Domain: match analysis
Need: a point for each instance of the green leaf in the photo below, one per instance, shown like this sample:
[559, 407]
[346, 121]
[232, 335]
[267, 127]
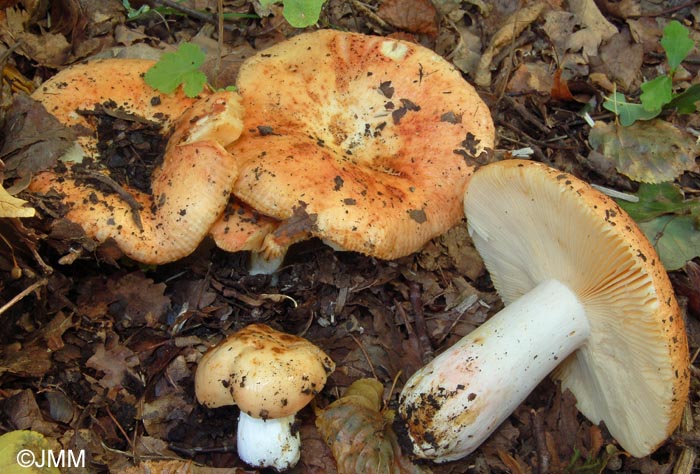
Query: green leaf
[686, 101]
[656, 93]
[675, 238]
[648, 152]
[656, 200]
[179, 68]
[677, 44]
[626, 111]
[302, 13]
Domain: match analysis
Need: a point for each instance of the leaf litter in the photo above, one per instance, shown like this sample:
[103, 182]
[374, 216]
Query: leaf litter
[100, 354]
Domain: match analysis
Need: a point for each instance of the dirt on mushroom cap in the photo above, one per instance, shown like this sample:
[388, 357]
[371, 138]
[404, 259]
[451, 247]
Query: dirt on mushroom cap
[267, 373]
[373, 137]
[189, 190]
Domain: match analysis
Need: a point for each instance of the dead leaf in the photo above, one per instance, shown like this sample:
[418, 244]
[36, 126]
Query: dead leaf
[512, 28]
[46, 49]
[24, 413]
[114, 364]
[11, 206]
[647, 151]
[620, 59]
[415, 16]
[28, 360]
[34, 139]
[596, 28]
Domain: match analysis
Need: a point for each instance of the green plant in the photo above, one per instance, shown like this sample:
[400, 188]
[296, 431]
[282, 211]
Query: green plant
[298, 13]
[657, 94]
[181, 67]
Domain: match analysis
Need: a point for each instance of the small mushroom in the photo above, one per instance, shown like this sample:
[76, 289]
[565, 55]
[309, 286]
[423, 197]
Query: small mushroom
[586, 297]
[189, 190]
[270, 375]
[366, 142]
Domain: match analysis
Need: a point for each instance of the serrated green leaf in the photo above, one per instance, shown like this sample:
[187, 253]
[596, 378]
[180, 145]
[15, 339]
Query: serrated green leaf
[656, 200]
[648, 152]
[628, 112]
[675, 238]
[677, 43]
[656, 93]
[302, 13]
[686, 102]
[179, 68]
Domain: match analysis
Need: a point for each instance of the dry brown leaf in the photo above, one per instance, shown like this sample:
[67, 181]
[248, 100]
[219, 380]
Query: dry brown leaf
[114, 363]
[415, 16]
[28, 360]
[512, 28]
[596, 28]
[621, 59]
[11, 206]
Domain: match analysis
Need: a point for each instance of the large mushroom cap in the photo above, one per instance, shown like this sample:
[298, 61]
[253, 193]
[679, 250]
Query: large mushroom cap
[189, 190]
[532, 223]
[267, 373]
[372, 137]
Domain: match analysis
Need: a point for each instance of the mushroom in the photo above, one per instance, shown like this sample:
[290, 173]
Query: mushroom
[586, 297]
[367, 142]
[270, 375]
[189, 190]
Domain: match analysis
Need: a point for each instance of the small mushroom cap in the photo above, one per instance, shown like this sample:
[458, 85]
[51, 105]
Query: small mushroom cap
[241, 228]
[267, 373]
[532, 223]
[373, 138]
[189, 190]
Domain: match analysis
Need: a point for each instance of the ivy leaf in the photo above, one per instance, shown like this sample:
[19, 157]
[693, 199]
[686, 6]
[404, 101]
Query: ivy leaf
[648, 152]
[656, 93]
[179, 68]
[677, 44]
[627, 111]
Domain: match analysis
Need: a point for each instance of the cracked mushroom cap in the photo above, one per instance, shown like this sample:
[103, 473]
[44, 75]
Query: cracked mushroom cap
[267, 373]
[532, 223]
[189, 190]
[373, 138]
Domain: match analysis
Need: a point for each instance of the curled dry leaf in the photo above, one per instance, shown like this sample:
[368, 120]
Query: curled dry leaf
[415, 16]
[359, 433]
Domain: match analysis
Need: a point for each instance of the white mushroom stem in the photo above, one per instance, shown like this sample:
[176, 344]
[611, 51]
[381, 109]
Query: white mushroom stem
[455, 402]
[268, 443]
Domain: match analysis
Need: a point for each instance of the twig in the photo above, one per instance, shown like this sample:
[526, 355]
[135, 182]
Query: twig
[538, 432]
[126, 197]
[369, 361]
[419, 322]
[196, 14]
[23, 293]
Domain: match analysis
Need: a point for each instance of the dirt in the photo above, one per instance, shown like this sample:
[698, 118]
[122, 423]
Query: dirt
[99, 354]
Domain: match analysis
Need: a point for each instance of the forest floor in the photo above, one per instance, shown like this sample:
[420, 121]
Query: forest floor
[98, 352]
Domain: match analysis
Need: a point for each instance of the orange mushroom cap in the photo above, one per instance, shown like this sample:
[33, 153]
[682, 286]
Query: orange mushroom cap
[190, 188]
[372, 137]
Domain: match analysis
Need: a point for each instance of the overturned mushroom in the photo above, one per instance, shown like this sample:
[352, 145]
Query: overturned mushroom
[587, 298]
[372, 139]
[270, 375]
[188, 191]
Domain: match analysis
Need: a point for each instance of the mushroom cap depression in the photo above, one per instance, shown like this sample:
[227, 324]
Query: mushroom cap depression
[372, 137]
[267, 373]
[532, 223]
[190, 188]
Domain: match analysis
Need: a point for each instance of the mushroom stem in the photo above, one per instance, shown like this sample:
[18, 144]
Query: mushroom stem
[268, 443]
[451, 405]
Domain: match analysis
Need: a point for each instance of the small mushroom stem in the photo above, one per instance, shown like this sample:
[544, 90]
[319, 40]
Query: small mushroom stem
[268, 443]
[451, 405]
